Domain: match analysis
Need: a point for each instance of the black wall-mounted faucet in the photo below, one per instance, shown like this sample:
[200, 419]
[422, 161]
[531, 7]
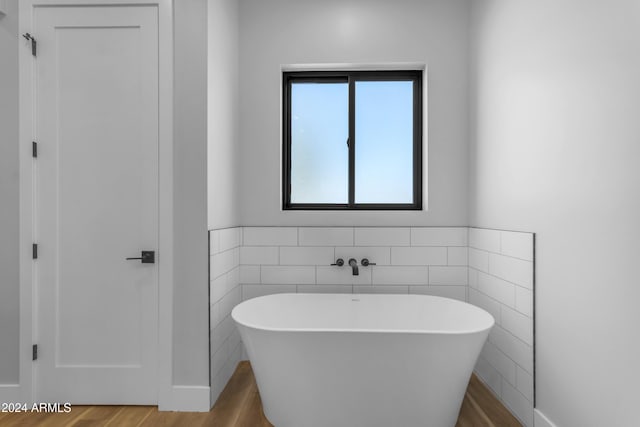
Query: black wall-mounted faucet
[354, 266]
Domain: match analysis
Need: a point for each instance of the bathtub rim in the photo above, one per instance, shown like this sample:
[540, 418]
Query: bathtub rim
[251, 325]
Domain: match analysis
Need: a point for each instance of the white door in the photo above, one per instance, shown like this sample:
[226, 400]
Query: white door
[96, 203]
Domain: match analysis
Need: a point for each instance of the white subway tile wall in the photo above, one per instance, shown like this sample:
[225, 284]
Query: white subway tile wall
[328, 275]
[379, 255]
[364, 289]
[259, 255]
[492, 269]
[519, 405]
[512, 269]
[225, 293]
[479, 260]
[519, 351]
[437, 260]
[325, 236]
[489, 375]
[505, 366]
[487, 240]
[392, 275]
[254, 291]
[291, 255]
[458, 256]
[501, 276]
[418, 256]
[455, 292]
[448, 275]
[498, 289]
[524, 301]
[518, 324]
[524, 383]
[270, 236]
[517, 245]
[288, 274]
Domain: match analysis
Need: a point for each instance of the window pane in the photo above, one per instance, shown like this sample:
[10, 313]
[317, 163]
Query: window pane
[384, 142]
[319, 152]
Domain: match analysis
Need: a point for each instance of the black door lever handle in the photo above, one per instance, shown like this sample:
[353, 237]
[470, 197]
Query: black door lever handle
[147, 257]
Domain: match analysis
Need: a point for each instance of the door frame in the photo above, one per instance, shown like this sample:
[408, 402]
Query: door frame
[167, 398]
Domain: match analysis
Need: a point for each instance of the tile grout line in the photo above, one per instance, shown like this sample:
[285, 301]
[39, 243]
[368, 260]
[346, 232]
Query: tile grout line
[508, 357]
[501, 303]
[501, 278]
[500, 254]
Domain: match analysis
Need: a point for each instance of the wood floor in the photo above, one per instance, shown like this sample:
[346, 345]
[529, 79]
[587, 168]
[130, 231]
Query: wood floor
[238, 406]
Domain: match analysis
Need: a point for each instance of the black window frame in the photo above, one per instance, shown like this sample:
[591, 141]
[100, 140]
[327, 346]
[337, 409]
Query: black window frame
[351, 77]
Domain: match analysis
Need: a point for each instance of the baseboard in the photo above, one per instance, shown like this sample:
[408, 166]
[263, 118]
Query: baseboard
[187, 399]
[11, 393]
[540, 420]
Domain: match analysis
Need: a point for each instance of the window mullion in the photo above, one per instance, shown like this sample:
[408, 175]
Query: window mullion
[352, 141]
[286, 154]
[417, 142]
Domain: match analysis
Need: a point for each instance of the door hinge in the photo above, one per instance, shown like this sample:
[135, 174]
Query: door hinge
[33, 42]
[34, 149]
[34, 352]
[34, 251]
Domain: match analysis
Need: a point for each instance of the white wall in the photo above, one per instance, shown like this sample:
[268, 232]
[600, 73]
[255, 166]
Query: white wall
[9, 286]
[277, 32]
[222, 115]
[191, 287]
[556, 148]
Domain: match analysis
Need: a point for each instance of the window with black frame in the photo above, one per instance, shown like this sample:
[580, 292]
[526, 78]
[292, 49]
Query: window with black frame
[352, 140]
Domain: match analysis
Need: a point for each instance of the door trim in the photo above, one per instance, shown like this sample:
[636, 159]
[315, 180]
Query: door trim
[28, 169]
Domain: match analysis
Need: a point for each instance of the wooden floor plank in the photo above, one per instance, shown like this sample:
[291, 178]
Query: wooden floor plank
[29, 419]
[239, 405]
[491, 406]
[97, 416]
[233, 398]
[131, 416]
[469, 416]
[252, 414]
[177, 419]
[160, 419]
[64, 419]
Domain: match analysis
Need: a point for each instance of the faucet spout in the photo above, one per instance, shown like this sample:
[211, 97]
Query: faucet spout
[354, 267]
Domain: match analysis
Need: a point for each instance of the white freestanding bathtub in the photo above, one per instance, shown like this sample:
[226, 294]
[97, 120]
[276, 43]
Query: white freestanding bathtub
[342, 360]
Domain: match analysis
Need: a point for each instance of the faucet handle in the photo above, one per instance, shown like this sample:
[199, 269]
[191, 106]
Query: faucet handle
[339, 262]
[365, 262]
